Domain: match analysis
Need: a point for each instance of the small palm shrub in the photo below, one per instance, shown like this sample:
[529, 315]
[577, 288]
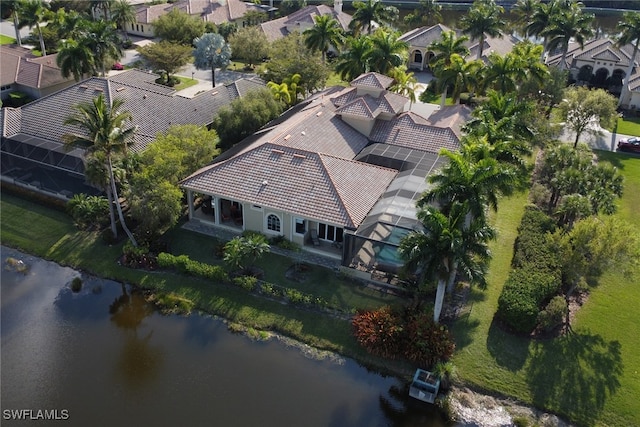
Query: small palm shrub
[88, 211]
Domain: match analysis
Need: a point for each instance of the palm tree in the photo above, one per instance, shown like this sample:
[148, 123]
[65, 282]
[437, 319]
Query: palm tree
[458, 73]
[404, 83]
[427, 13]
[569, 24]
[12, 6]
[104, 6]
[354, 60]
[483, 19]
[102, 39]
[280, 92]
[31, 13]
[541, 19]
[123, 13]
[103, 132]
[629, 32]
[503, 72]
[211, 52]
[369, 12]
[523, 11]
[448, 44]
[475, 184]
[326, 32]
[75, 59]
[444, 247]
[387, 52]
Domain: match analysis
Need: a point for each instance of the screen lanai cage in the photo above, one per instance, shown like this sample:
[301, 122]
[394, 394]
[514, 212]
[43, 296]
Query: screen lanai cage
[373, 246]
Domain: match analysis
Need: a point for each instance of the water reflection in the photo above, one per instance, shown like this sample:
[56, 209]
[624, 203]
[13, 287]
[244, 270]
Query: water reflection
[139, 361]
[109, 359]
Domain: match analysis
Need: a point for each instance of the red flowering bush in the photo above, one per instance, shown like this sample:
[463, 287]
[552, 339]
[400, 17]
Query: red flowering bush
[408, 333]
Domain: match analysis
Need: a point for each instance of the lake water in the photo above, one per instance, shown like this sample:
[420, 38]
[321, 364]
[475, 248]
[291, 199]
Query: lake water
[103, 357]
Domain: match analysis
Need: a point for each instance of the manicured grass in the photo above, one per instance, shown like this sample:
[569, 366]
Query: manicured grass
[6, 39]
[435, 98]
[185, 82]
[321, 282]
[628, 126]
[335, 80]
[590, 376]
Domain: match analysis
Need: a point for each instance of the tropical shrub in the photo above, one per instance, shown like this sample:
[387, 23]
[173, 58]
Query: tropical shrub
[407, 334]
[88, 211]
[184, 264]
[138, 257]
[554, 314]
[248, 283]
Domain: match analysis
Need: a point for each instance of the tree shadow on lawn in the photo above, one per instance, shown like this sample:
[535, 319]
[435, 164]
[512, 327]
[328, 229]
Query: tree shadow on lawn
[509, 351]
[573, 375]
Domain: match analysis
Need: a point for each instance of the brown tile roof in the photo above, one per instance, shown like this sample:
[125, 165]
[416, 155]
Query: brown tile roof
[312, 185]
[216, 11]
[19, 65]
[372, 79]
[423, 37]
[278, 28]
[153, 107]
[368, 106]
[603, 49]
[410, 130]
[451, 116]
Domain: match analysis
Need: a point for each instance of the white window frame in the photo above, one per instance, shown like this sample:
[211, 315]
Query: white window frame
[266, 223]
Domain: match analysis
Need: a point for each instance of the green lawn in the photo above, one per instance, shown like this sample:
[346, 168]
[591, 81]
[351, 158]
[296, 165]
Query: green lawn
[185, 82]
[628, 126]
[591, 376]
[6, 39]
[321, 282]
[435, 98]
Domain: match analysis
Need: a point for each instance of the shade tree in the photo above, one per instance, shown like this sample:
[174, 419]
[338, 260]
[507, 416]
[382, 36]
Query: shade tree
[587, 110]
[249, 45]
[167, 56]
[178, 27]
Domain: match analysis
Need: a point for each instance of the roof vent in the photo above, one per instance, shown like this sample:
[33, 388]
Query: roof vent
[299, 156]
[319, 113]
[84, 87]
[276, 151]
[303, 133]
[265, 182]
[286, 138]
[98, 89]
[120, 89]
[214, 93]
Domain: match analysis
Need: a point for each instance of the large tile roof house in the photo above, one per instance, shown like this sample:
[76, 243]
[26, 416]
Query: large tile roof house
[32, 134]
[346, 165]
[215, 11]
[302, 19]
[22, 71]
[607, 64]
[420, 39]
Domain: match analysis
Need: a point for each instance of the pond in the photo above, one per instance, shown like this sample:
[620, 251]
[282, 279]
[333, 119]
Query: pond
[103, 356]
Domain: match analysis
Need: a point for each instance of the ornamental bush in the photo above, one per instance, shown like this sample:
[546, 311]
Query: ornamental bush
[184, 264]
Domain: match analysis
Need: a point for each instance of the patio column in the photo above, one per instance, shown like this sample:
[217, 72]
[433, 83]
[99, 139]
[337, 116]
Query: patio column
[190, 202]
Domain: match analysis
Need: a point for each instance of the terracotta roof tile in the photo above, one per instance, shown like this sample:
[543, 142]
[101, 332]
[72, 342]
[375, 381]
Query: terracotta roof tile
[278, 28]
[312, 185]
[374, 80]
[406, 130]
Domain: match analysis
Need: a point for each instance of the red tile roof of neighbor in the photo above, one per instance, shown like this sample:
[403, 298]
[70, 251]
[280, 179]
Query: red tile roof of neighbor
[209, 10]
[309, 184]
[278, 28]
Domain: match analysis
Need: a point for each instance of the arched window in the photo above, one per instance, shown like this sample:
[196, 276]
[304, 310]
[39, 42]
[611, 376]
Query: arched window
[273, 223]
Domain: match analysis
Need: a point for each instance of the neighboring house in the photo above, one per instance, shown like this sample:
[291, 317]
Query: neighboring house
[21, 71]
[215, 11]
[339, 173]
[420, 40]
[33, 153]
[604, 65]
[302, 19]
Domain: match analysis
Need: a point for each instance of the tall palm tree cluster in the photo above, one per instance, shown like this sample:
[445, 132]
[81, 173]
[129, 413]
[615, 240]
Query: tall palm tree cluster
[86, 40]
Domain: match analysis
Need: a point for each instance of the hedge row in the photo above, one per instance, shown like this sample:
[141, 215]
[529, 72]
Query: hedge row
[184, 264]
[536, 275]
